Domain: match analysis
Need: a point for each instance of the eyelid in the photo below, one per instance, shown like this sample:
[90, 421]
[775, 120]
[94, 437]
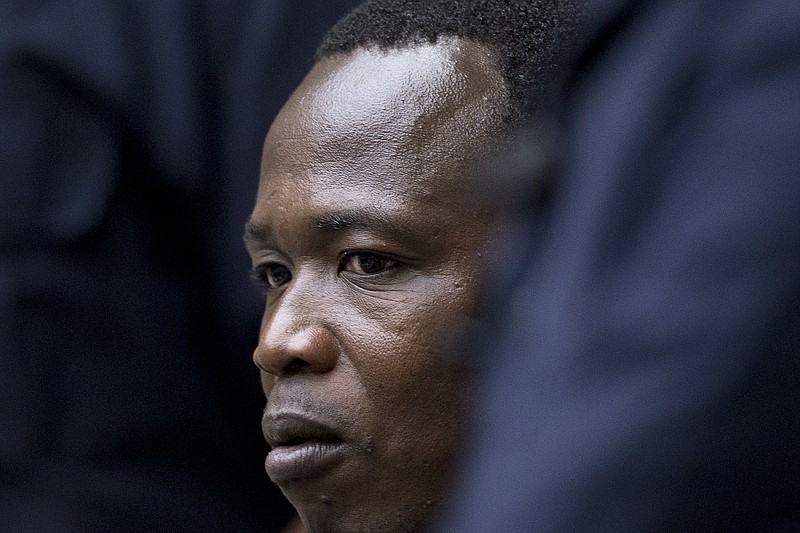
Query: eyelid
[348, 256]
[261, 273]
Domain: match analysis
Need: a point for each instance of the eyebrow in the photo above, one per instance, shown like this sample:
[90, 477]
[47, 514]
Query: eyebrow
[332, 222]
[255, 232]
[355, 219]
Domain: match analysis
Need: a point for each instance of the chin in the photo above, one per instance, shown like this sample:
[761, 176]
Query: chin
[391, 522]
[338, 513]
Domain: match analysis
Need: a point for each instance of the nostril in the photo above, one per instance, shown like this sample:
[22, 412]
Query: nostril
[295, 365]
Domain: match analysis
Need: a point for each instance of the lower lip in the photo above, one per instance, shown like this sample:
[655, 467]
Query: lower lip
[303, 461]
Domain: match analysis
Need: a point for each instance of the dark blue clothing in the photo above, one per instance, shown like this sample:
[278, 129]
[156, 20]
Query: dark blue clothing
[646, 373]
[130, 140]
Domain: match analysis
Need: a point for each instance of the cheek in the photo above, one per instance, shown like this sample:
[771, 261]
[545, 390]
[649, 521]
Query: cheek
[416, 390]
[410, 336]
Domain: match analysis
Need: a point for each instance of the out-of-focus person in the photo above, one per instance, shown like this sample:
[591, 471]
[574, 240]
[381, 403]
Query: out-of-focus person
[643, 372]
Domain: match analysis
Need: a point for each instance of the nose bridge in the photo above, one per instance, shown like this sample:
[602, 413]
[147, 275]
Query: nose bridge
[295, 333]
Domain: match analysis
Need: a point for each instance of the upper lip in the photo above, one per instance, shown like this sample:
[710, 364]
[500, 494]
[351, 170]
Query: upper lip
[286, 429]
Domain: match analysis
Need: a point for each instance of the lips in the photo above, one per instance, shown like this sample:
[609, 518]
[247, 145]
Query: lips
[302, 448]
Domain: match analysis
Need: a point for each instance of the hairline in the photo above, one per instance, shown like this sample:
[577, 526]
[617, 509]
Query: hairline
[513, 107]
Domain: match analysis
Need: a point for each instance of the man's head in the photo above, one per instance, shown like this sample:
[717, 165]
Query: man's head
[369, 245]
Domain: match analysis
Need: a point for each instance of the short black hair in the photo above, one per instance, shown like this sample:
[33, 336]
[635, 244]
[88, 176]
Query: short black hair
[529, 37]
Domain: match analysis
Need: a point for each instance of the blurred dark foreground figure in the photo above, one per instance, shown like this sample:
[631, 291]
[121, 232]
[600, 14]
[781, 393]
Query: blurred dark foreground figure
[130, 135]
[645, 374]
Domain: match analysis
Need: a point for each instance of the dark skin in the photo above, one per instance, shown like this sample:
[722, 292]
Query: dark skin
[370, 249]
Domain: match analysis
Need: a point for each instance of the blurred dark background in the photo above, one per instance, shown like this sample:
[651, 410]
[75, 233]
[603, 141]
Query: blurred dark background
[130, 139]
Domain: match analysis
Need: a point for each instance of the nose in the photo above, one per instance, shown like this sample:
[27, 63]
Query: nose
[295, 339]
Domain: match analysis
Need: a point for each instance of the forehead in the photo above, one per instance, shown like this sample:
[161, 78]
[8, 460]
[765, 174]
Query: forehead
[423, 97]
[392, 88]
[396, 124]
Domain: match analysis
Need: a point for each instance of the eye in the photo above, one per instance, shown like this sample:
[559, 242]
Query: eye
[274, 275]
[365, 263]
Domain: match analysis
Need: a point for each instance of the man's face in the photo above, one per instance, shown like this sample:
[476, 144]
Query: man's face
[370, 248]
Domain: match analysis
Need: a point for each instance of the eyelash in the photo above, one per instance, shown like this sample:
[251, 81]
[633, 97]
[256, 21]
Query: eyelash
[387, 263]
[261, 275]
[265, 274]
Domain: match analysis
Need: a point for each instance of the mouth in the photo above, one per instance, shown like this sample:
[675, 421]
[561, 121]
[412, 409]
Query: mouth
[302, 448]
